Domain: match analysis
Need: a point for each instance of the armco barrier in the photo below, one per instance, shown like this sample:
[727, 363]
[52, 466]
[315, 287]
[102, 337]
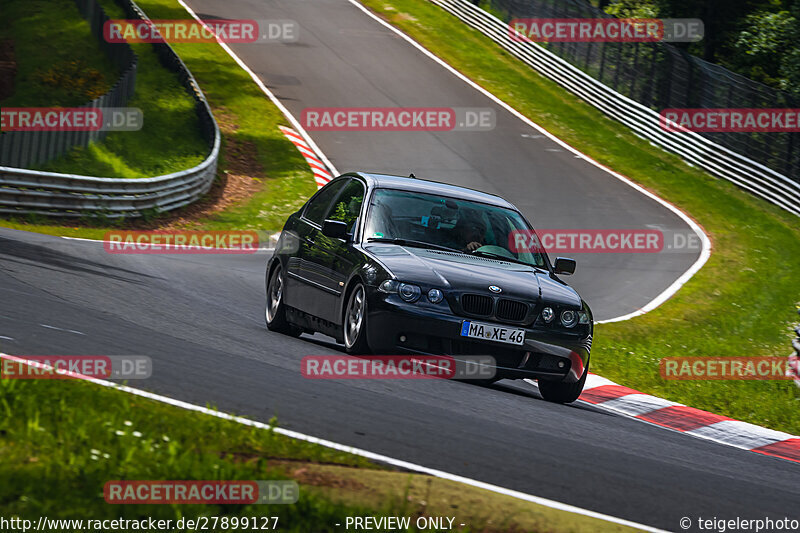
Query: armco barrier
[28, 148]
[25, 191]
[694, 148]
[660, 75]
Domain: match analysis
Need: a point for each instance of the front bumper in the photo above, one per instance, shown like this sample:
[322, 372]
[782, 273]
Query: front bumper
[396, 327]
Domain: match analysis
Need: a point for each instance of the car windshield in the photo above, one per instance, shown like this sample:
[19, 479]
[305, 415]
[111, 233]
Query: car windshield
[461, 225]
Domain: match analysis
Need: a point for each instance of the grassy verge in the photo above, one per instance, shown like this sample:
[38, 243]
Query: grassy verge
[740, 304]
[69, 68]
[61, 441]
[262, 178]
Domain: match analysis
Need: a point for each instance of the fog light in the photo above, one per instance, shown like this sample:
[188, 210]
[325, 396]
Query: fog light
[548, 314]
[402, 338]
[561, 364]
[569, 318]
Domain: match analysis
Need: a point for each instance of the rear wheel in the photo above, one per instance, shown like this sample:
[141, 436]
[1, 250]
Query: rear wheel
[276, 310]
[355, 322]
[560, 392]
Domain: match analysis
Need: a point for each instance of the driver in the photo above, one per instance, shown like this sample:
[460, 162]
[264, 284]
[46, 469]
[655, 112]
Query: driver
[469, 232]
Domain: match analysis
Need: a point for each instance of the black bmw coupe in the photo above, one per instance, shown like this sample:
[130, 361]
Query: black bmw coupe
[393, 265]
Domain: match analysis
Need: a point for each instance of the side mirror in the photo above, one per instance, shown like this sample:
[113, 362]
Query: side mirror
[335, 229]
[564, 265]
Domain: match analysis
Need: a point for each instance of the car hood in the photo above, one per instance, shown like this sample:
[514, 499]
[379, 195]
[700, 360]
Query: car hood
[469, 273]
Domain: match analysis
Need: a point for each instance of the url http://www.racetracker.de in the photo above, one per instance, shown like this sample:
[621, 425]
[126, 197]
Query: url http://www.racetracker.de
[142, 525]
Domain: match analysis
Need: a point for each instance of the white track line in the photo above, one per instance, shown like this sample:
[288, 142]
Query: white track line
[678, 283]
[347, 449]
[671, 290]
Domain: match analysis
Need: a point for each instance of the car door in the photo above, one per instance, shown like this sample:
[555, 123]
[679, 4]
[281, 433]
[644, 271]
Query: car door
[342, 257]
[306, 283]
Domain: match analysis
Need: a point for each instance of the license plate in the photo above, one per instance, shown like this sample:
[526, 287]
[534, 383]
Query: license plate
[490, 332]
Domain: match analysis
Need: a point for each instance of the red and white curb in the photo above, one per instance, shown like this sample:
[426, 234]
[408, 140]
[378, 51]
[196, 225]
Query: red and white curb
[606, 394]
[321, 173]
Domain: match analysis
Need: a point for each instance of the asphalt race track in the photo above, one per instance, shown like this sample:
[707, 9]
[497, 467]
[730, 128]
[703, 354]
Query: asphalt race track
[343, 58]
[201, 317]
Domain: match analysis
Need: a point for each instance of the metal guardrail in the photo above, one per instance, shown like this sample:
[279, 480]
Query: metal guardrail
[24, 191]
[28, 148]
[693, 147]
[660, 75]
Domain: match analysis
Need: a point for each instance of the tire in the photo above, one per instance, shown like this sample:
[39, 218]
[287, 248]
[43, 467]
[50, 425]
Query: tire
[275, 312]
[354, 322]
[560, 392]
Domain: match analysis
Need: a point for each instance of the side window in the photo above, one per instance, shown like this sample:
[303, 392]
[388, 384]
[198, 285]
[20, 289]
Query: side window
[318, 206]
[348, 206]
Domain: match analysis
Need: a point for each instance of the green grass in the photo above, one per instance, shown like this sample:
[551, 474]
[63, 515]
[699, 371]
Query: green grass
[62, 440]
[741, 303]
[60, 63]
[247, 118]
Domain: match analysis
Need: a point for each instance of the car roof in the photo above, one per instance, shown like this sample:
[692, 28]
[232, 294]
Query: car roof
[387, 181]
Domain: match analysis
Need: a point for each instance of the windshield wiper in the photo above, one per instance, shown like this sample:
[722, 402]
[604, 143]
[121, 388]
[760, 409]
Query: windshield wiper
[505, 258]
[419, 244]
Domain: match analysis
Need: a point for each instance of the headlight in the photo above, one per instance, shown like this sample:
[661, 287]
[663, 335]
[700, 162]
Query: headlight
[409, 293]
[584, 317]
[435, 296]
[548, 314]
[569, 318]
[389, 286]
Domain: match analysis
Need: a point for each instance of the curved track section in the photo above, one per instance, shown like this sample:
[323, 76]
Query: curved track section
[200, 319]
[344, 58]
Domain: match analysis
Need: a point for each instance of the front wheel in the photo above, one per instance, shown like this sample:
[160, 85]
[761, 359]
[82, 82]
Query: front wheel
[559, 392]
[276, 310]
[355, 322]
